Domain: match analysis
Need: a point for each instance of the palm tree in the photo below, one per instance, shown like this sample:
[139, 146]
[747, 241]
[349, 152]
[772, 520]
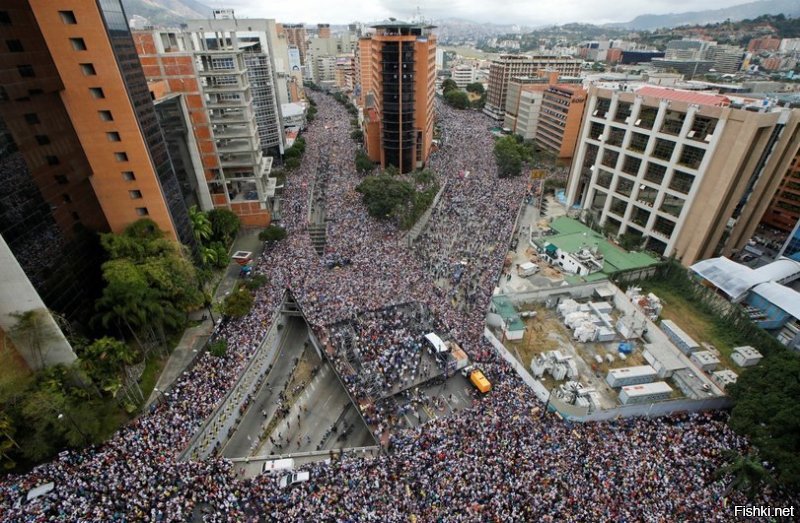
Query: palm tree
[748, 473]
[201, 225]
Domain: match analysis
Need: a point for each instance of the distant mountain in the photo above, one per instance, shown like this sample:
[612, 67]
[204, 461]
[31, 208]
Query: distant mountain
[166, 12]
[734, 13]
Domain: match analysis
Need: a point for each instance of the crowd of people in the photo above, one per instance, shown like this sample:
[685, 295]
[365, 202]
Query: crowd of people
[503, 459]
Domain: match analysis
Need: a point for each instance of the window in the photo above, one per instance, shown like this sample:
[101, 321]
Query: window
[34, 92]
[702, 128]
[638, 142]
[113, 136]
[105, 116]
[88, 70]
[61, 179]
[32, 118]
[128, 176]
[691, 156]
[610, 158]
[135, 195]
[624, 186]
[615, 136]
[647, 195]
[663, 149]
[672, 205]
[66, 198]
[52, 160]
[664, 226]
[97, 92]
[655, 173]
[75, 216]
[4, 18]
[121, 157]
[596, 130]
[631, 165]
[646, 118]
[673, 122]
[26, 71]
[142, 211]
[623, 112]
[602, 107]
[14, 46]
[681, 182]
[640, 216]
[68, 17]
[618, 206]
[78, 44]
[604, 179]
[42, 139]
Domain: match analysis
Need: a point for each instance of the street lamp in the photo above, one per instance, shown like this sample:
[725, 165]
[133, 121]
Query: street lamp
[164, 395]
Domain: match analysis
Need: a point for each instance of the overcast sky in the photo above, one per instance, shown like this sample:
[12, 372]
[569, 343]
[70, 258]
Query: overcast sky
[523, 12]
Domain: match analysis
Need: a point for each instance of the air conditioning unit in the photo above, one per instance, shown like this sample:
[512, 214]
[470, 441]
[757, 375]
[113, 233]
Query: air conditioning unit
[591, 168]
[708, 137]
[600, 138]
[628, 120]
[637, 122]
[595, 113]
[691, 134]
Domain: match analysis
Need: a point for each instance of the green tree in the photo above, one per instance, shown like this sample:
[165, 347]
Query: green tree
[475, 87]
[745, 473]
[104, 360]
[480, 102]
[457, 99]
[449, 85]
[225, 225]
[238, 303]
[273, 233]
[218, 348]
[765, 411]
[215, 255]
[508, 157]
[292, 164]
[363, 164]
[201, 225]
[385, 196]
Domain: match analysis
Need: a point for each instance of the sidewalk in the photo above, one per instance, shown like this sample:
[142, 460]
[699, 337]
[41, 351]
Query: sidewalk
[194, 338]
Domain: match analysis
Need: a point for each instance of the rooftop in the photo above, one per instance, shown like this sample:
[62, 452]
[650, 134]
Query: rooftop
[735, 279]
[572, 235]
[691, 97]
[506, 310]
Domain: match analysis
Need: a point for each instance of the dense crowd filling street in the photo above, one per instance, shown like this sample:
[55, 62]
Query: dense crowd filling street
[503, 459]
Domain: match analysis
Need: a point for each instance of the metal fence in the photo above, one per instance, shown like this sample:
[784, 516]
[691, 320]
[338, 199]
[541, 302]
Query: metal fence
[422, 222]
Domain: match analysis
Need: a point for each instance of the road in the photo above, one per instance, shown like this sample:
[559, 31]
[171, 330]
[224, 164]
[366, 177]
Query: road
[250, 427]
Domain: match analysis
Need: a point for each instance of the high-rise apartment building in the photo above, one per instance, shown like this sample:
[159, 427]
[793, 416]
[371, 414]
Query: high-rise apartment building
[225, 67]
[296, 36]
[784, 210]
[508, 66]
[687, 173]
[323, 30]
[254, 39]
[560, 119]
[399, 108]
[77, 58]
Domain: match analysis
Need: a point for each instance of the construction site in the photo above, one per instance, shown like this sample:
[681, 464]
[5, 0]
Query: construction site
[596, 348]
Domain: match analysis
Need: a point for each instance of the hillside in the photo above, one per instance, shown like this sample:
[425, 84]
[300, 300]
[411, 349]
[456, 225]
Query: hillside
[733, 13]
[166, 12]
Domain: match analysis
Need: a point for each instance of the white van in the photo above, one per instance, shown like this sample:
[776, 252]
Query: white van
[435, 344]
[277, 465]
[294, 478]
[527, 269]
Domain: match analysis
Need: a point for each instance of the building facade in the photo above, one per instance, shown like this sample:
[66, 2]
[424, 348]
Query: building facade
[399, 108]
[86, 50]
[508, 66]
[687, 173]
[560, 119]
[784, 210]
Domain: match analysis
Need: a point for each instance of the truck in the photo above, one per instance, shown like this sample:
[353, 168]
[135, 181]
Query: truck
[435, 344]
[477, 378]
[294, 478]
[527, 269]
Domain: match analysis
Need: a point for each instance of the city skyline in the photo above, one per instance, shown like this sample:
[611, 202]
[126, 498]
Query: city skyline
[522, 12]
